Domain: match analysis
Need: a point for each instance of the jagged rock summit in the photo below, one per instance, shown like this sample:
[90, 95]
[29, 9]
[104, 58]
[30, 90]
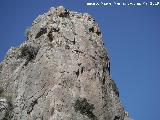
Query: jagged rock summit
[61, 72]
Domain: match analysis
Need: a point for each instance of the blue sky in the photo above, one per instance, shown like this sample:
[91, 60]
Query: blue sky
[131, 35]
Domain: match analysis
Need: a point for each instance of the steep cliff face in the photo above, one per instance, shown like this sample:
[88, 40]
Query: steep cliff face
[61, 72]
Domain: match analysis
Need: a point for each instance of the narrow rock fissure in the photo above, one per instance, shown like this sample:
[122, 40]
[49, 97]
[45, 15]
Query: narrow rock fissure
[77, 73]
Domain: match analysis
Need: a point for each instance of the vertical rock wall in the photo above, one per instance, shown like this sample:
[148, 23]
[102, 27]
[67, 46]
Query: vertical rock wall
[61, 72]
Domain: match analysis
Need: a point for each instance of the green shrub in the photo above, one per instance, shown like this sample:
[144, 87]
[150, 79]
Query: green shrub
[85, 108]
[64, 14]
[28, 52]
[41, 32]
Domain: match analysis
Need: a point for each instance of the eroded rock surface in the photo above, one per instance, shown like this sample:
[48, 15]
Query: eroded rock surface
[61, 72]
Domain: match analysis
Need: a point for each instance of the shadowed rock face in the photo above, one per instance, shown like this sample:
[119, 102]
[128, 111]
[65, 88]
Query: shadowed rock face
[61, 72]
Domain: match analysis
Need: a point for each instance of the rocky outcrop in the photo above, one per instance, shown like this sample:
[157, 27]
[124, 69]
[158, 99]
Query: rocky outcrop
[61, 72]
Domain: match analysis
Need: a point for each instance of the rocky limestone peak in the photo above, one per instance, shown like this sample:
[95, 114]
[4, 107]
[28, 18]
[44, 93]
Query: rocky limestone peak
[61, 72]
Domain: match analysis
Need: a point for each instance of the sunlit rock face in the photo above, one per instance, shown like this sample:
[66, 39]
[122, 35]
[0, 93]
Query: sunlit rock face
[61, 72]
